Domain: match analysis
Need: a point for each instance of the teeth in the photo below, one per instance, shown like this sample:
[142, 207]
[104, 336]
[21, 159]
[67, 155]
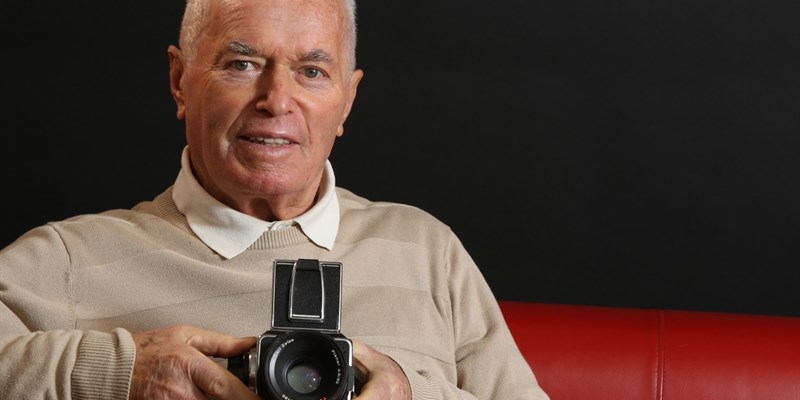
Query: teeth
[268, 141]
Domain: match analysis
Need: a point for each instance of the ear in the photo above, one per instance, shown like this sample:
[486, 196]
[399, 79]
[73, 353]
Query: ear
[176, 70]
[354, 81]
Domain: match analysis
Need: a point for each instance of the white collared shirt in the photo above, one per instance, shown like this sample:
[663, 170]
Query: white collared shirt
[230, 232]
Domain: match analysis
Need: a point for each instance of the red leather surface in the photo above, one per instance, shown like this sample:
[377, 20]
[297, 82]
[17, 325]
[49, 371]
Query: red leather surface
[597, 353]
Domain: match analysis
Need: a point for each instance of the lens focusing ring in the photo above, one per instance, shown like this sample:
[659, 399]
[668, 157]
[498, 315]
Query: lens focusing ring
[305, 365]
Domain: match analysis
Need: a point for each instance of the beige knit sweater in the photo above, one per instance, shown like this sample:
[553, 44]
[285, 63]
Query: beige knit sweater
[71, 293]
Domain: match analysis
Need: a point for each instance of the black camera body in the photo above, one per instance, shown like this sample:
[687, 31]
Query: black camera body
[303, 356]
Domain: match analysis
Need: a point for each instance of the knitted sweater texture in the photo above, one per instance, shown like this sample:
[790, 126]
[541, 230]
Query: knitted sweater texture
[72, 293]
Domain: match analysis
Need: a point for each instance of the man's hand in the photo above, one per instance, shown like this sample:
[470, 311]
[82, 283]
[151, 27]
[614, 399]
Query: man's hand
[383, 378]
[174, 363]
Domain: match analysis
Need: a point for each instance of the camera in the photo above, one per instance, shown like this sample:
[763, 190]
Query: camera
[303, 356]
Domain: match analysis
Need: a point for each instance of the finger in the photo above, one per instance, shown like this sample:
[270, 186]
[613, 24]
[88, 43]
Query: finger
[212, 343]
[384, 378]
[217, 382]
[359, 348]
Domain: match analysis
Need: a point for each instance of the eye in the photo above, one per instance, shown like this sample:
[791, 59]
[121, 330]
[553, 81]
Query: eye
[312, 73]
[241, 65]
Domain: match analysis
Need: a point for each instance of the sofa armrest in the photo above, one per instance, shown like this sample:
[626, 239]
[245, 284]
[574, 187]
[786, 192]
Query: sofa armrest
[591, 352]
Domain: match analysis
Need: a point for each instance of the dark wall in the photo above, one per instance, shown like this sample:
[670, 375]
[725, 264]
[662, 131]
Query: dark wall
[638, 154]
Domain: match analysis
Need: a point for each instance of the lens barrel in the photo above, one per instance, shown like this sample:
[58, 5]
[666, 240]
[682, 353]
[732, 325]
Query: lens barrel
[307, 365]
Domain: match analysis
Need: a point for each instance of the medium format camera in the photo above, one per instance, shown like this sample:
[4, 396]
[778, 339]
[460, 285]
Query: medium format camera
[303, 356]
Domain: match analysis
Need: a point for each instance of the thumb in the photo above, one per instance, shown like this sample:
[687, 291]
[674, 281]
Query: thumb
[219, 344]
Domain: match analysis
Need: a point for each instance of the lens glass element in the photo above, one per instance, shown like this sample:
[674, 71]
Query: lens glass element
[303, 378]
[306, 365]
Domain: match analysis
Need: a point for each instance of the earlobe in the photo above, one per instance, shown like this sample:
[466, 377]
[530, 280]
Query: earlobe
[181, 111]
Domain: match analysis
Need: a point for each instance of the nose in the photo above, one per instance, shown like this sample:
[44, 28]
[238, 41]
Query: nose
[276, 92]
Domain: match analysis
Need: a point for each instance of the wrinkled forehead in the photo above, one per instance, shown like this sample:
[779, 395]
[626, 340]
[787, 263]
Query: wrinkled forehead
[205, 22]
[280, 23]
[327, 16]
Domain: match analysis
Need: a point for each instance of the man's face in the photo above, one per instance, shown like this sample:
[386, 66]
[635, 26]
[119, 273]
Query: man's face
[264, 99]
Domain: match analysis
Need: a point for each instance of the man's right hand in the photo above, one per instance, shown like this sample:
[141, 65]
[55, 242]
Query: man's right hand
[174, 363]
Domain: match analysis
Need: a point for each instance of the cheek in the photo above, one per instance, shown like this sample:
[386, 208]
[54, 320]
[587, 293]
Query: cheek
[218, 112]
[219, 100]
[328, 127]
[335, 117]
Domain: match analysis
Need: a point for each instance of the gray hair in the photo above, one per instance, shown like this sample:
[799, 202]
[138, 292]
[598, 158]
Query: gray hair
[195, 19]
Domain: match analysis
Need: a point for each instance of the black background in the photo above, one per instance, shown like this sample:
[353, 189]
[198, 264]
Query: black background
[632, 153]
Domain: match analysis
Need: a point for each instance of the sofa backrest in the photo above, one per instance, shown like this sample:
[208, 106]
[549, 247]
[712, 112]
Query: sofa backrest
[591, 352]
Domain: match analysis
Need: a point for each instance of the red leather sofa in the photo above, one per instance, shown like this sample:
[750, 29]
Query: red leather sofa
[581, 352]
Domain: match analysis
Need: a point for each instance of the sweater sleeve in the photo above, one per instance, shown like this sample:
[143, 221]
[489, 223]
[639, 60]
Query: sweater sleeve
[67, 364]
[42, 355]
[489, 364]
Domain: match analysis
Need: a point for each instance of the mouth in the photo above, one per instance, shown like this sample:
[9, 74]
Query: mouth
[267, 141]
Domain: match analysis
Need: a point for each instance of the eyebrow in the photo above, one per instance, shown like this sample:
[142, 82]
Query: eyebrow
[238, 47]
[316, 55]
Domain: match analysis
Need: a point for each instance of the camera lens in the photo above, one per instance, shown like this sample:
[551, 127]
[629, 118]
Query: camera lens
[306, 365]
[303, 378]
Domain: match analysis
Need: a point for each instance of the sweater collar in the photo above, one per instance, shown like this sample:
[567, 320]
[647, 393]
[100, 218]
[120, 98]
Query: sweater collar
[230, 232]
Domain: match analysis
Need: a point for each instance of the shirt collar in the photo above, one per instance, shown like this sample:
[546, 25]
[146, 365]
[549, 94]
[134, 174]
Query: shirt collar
[230, 232]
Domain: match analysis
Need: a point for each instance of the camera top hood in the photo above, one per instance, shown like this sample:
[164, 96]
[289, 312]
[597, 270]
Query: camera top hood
[307, 295]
